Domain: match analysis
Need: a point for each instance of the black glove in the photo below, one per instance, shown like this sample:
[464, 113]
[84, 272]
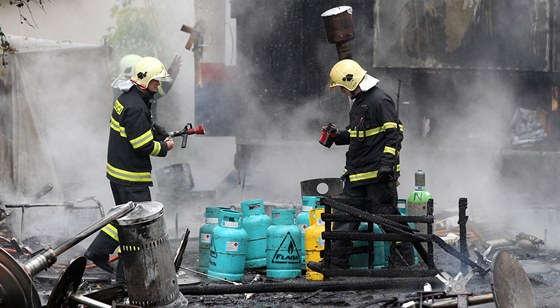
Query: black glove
[385, 174]
[159, 132]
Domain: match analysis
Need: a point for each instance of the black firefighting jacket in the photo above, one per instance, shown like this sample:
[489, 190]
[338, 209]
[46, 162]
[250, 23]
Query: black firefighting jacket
[373, 136]
[131, 141]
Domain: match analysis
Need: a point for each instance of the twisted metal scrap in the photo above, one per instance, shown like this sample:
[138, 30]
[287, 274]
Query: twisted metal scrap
[389, 224]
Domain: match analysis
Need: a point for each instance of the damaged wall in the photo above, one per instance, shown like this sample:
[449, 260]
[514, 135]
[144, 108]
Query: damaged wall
[464, 34]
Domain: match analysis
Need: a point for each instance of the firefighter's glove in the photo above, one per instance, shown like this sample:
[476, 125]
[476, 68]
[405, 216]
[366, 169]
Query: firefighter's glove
[159, 132]
[175, 66]
[385, 174]
[328, 135]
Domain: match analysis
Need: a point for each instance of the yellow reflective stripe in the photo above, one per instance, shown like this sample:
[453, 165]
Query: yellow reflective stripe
[390, 150]
[117, 127]
[363, 176]
[360, 133]
[374, 131]
[118, 107]
[366, 175]
[157, 148]
[111, 231]
[388, 125]
[129, 175]
[131, 248]
[142, 140]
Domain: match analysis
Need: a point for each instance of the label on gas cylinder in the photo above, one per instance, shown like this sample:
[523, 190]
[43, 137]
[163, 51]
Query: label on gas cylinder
[230, 224]
[287, 251]
[232, 246]
[211, 220]
[320, 222]
[302, 227]
[205, 238]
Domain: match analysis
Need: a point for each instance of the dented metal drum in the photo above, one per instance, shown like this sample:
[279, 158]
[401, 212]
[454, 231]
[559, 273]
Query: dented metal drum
[146, 254]
[338, 24]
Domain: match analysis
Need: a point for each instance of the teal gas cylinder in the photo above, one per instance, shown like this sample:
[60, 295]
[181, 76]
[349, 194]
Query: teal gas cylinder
[380, 251]
[283, 240]
[403, 210]
[417, 202]
[205, 236]
[255, 222]
[308, 203]
[228, 248]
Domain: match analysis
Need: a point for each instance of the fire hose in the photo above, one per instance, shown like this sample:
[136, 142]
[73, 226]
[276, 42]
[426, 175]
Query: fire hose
[187, 130]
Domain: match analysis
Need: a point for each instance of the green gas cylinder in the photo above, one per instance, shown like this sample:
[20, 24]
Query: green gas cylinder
[417, 202]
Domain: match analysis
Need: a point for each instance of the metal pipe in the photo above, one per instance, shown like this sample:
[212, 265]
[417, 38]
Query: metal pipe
[99, 205]
[42, 204]
[116, 213]
[48, 257]
[310, 286]
[471, 300]
[181, 250]
[87, 301]
[463, 232]
[210, 276]
[430, 230]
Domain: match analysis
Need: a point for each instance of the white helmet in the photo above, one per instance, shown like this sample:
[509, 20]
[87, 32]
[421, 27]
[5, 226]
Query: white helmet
[148, 69]
[126, 65]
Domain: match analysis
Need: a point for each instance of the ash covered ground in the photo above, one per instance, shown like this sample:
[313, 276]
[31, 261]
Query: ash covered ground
[541, 267]
[540, 263]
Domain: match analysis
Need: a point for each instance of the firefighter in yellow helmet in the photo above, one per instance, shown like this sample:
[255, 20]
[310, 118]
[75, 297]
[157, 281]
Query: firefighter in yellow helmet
[374, 137]
[131, 143]
[126, 67]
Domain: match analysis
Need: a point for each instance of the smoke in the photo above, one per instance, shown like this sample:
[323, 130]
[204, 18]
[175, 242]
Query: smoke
[67, 88]
[459, 107]
[461, 149]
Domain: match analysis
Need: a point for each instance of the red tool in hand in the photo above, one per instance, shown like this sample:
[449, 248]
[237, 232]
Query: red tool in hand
[187, 130]
[328, 135]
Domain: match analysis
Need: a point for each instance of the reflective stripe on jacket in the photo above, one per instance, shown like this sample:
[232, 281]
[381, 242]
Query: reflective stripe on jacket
[374, 136]
[131, 142]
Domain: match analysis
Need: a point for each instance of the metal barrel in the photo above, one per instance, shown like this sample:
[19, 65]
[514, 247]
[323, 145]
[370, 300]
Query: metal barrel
[338, 24]
[147, 257]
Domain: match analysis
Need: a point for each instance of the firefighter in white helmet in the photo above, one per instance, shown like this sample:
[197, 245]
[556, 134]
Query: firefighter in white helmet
[131, 143]
[126, 67]
[374, 137]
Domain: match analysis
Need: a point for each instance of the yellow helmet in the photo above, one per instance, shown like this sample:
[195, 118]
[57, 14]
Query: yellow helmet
[126, 65]
[346, 73]
[148, 69]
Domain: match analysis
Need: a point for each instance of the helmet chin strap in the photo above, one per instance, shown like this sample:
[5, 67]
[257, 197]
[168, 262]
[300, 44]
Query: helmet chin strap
[143, 90]
[146, 91]
[355, 92]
